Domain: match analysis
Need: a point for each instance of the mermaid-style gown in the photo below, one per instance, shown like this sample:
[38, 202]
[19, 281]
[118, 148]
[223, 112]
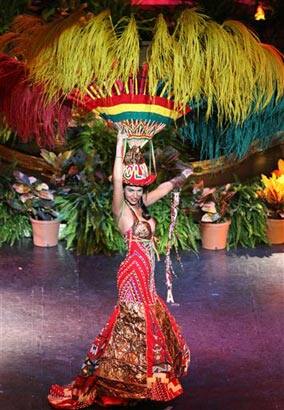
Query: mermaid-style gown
[140, 353]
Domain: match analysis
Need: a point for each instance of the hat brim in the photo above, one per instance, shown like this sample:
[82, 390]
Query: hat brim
[141, 182]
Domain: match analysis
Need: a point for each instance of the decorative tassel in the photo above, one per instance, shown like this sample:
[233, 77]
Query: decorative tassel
[170, 298]
[168, 263]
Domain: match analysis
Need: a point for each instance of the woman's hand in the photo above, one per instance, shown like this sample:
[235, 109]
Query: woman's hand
[187, 172]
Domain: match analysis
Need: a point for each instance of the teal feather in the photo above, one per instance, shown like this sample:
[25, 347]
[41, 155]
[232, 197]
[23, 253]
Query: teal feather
[214, 141]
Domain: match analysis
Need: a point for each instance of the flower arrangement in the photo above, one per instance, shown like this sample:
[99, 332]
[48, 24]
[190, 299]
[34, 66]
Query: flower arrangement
[212, 203]
[273, 192]
[32, 197]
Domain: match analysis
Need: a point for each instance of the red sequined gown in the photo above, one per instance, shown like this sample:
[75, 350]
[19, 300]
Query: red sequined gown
[140, 353]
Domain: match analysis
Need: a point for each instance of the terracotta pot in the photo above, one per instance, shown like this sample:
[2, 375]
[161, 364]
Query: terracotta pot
[45, 233]
[214, 236]
[275, 231]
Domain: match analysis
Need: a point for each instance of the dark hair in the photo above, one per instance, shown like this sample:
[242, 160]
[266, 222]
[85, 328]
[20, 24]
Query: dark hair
[145, 212]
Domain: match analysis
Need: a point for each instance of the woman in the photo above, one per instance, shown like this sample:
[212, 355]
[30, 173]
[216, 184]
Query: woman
[140, 353]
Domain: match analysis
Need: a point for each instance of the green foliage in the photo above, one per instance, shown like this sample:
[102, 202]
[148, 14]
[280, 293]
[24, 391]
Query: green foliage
[6, 134]
[90, 226]
[8, 10]
[95, 144]
[118, 9]
[14, 226]
[186, 231]
[248, 222]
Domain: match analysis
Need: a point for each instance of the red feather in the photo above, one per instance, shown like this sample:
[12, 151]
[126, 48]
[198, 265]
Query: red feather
[24, 108]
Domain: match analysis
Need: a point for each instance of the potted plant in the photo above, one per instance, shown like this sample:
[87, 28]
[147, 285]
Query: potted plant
[212, 205]
[248, 217]
[35, 198]
[272, 195]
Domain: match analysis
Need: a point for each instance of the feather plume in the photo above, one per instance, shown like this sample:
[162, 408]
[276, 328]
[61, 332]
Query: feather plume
[126, 63]
[188, 57]
[19, 40]
[75, 57]
[161, 58]
[23, 106]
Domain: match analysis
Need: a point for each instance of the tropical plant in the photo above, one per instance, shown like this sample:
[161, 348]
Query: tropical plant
[186, 235]
[14, 226]
[273, 192]
[90, 227]
[212, 204]
[93, 144]
[248, 217]
[10, 9]
[60, 165]
[6, 134]
[32, 197]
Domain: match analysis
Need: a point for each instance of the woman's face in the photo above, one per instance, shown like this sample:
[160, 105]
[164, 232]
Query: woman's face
[133, 194]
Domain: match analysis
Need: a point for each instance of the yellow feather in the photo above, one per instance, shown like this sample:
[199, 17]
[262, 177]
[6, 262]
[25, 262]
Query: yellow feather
[160, 58]
[76, 56]
[188, 57]
[224, 64]
[126, 52]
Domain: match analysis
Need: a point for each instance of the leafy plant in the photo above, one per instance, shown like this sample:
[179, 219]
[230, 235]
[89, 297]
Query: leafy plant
[273, 192]
[90, 226]
[186, 231]
[214, 203]
[6, 134]
[32, 197]
[59, 164]
[248, 218]
[8, 10]
[94, 146]
[14, 226]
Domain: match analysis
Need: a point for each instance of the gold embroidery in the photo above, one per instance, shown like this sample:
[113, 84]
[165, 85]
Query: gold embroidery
[124, 359]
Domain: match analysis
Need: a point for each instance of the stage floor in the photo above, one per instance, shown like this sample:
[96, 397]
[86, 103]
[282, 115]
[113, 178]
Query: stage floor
[53, 304]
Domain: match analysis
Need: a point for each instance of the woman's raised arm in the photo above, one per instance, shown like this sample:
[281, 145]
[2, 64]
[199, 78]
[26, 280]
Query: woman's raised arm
[166, 187]
[117, 199]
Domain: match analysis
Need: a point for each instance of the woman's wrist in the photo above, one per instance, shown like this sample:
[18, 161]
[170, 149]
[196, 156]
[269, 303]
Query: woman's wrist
[178, 181]
[187, 172]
